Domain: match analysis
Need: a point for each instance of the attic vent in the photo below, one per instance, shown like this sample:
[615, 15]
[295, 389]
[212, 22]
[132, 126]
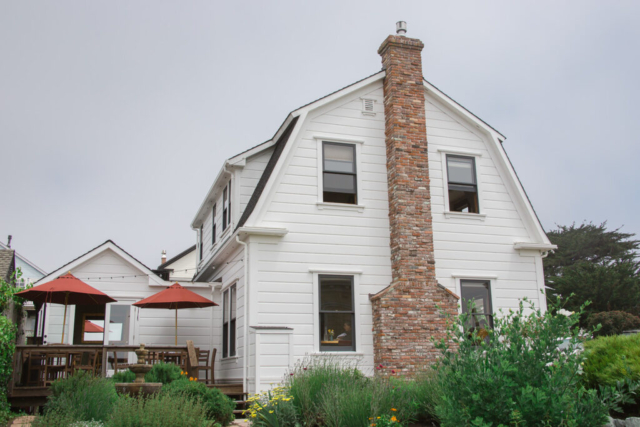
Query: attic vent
[367, 107]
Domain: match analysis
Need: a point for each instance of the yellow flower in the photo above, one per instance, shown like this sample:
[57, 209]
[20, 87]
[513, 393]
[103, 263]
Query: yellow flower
[394, 409]
[191, 379]
[394, 419]
[271, 412]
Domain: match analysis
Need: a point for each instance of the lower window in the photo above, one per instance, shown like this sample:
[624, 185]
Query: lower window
[229, 322]
[337, 326]
[476, 301]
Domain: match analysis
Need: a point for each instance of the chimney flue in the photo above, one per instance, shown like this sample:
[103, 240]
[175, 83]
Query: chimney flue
[9, 241]
[401, 28]
[164, 257]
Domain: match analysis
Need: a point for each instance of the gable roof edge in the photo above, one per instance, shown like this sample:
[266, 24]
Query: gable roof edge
[109, 244]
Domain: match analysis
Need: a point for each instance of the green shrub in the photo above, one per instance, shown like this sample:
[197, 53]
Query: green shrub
[217, 405]
[334, 392]
[81, 397]
[518, 375]
[123, 377]
[163, 373]
[612, 359]
[7, 350]
[159, 410]
[54, 418]
[613, 322]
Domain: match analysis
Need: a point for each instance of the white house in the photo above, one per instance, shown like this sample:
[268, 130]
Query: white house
[340, 235]
[351, 202]
[112, 270]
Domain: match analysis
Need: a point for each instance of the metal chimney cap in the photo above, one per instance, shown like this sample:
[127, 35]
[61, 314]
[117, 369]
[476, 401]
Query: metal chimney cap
[401, 28]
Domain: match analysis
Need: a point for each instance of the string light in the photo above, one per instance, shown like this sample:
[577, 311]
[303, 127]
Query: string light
[126, 276]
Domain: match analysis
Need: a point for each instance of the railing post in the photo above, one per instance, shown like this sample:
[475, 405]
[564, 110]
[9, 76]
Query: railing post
[104, 361]
[192, 360]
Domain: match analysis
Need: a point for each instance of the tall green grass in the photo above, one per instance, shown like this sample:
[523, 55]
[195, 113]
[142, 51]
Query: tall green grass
[334, 393]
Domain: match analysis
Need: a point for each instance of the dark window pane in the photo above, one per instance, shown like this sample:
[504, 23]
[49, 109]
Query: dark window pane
[463, 201]
[339, 198]
[336, 294]
[337, 183]
[339, 158]
[225, 339]
[461, 169]
[476, 301]
[232, 338]
[336, 332]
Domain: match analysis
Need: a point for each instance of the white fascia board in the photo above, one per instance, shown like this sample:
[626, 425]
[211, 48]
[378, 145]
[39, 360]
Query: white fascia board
[339, 94]
[244, 232]
[153, 278]
[495, 137]
[253, 151]
[195, 223]
[544, 247]
[262, 201]
[462, 111]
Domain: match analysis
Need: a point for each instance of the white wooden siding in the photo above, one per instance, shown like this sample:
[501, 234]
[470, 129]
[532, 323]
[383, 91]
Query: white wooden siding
[229, 370]
[250, 175]
[360, 240]
[325, 238]
[472, 247]
[155, 326]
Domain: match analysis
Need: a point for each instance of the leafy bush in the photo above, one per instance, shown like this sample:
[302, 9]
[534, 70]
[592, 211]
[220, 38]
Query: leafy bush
[163, 373]
[271, 409]
[517, 375]
[123, 377]
[217, 405]
[159, 410]
[613, 322]
[55, 418]
[612, 359]
[81, 397]
[332, 392]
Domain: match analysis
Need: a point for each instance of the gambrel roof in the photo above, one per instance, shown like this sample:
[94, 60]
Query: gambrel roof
[289, 130]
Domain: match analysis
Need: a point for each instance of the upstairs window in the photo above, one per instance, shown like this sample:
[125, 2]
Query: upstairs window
[226, 206]
[339, 173]
[476, 301]
[229, 322]
[337, 316]
[201, 243]
[213, 227]
[463, 185]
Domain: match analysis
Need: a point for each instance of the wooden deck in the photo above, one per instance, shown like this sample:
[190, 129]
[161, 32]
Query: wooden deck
[35, 367]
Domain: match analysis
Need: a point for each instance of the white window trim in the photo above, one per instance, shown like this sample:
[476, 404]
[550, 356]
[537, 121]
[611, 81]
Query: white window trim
[445, 184]
[355, 273]
[222, 291]
[321, 204]
[491, 278]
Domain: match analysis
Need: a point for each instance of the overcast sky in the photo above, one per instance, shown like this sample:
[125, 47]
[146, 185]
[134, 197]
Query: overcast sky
[116, 116]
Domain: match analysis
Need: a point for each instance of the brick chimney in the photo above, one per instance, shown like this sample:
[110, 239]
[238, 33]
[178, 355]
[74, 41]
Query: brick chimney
[405, 317]
[163, 259]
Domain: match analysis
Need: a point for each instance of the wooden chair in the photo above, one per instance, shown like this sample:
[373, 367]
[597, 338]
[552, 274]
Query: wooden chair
[55, 367]
[36, 362]
[85, 361]
[203, 357]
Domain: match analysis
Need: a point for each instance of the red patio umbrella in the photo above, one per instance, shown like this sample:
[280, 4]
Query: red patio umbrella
[89, 326]
[66, 289]
[174, 298]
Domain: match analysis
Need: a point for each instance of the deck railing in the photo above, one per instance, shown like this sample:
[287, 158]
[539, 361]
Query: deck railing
[37, 366]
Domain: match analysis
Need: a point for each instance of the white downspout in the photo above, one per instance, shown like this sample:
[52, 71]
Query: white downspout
[246, 313]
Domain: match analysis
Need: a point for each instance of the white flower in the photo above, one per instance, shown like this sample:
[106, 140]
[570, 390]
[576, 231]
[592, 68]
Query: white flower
[564, 312]
[549, 364]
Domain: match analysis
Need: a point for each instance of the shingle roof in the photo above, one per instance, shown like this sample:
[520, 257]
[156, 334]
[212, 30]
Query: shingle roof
[7, 263]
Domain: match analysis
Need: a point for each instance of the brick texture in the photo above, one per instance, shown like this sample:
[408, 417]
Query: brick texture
[409, 312]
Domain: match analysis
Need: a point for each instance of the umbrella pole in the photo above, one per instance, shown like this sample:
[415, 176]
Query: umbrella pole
[176, 326]
[64, 319]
